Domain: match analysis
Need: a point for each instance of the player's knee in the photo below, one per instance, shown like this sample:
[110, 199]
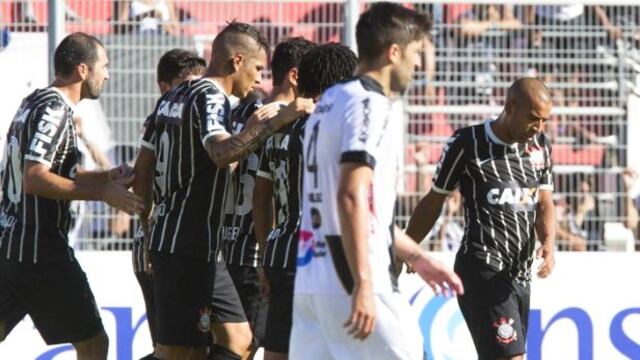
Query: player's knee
[95, 348]
[238, 337]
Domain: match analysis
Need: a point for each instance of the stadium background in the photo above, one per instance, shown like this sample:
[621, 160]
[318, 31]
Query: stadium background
[591, 62]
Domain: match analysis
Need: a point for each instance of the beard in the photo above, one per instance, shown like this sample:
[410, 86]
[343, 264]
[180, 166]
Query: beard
[91, 90]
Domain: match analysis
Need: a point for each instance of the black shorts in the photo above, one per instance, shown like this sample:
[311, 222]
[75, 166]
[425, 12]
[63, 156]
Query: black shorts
[247, 284]
[225, 302]
[56, 295]
[182, 288]
[495, 307]
[280, 314]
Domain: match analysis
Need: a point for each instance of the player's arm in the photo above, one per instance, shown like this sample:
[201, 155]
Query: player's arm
[225, 149]
[102, 176]
[546, 215]
[433, 272]
[263, 207]
[39, 181]
[353, 209]
[450, 167]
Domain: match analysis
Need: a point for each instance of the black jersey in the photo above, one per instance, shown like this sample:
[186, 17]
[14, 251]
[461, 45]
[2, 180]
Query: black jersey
[189, 189]
[241, 246]
[281, 163]
[34, 228]
[499, 184]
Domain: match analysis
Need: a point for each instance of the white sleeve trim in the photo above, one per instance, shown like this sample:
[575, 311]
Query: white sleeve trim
[546, 187]
[39, 160]
[148, 145]
[264, 175]
[440, 190]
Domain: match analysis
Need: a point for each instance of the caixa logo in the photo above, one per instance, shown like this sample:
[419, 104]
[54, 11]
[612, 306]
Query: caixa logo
[446, 336]
[125, 332]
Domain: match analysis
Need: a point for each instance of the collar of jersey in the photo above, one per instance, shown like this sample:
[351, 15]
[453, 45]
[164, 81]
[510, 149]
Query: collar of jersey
[494, 138]
[217, 85]
[65, 98]
[371, 84]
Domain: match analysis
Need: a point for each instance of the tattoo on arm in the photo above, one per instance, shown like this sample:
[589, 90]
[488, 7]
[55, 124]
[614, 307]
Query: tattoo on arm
[246, 142]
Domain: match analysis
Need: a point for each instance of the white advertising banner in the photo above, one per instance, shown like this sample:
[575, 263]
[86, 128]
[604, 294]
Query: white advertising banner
[588, 309]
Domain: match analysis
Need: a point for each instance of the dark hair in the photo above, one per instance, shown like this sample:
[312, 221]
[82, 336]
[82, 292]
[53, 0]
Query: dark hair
[229, 37]
[287, 55]
[323, 66]
[75, 49]
[384, 24]
[178, 64]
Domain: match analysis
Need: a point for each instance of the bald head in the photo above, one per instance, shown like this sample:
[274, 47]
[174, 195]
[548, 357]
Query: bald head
[528, 90]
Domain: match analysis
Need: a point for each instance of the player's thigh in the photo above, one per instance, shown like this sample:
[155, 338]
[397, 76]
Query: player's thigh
[247, 283]
[307, 339]
[64, 309]
[225, 301]
[396, 334]
[279, 318]
[181, 296]
[17, 283]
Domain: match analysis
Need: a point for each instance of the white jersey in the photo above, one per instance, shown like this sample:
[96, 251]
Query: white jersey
[353, 122]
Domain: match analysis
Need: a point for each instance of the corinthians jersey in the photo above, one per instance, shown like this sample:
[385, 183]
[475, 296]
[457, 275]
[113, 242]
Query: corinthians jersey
[500, 184]
[353, 123]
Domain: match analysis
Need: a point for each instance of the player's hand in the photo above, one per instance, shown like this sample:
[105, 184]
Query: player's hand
[265, 285]
[263, 113]
[441, 280]
[298, 107]
[547, 254]
[121, 171]
[363, 312]
[115, 194]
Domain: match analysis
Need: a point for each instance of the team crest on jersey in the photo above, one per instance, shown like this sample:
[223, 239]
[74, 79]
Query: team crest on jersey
[536, 155]
[505, 333]
[205, 320]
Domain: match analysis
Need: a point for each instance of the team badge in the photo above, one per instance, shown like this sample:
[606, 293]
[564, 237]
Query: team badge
[205, 320]
[505, 333]
[536, 155]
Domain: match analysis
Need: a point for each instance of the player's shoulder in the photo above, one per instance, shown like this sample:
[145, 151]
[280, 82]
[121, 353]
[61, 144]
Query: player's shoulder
[48, 103]
[356, 87]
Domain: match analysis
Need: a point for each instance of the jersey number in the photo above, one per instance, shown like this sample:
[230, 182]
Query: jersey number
[14, 173]
[247, 184]
[162, 163]
[312, 149]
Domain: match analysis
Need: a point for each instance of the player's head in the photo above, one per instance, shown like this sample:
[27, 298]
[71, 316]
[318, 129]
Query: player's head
[176, 66]
[82, 58]
[527, 107]
[286, 59]
[240, 52]
[392, 35]
[323, 66]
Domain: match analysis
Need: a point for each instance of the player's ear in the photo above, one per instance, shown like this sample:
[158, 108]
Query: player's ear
[394, 53]
[83, 70]
[292, 76]
[237, 61]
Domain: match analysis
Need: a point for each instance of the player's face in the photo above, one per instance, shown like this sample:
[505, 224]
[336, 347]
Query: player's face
[529, 119]
[409, 61]
[250, 73]
[98, 74]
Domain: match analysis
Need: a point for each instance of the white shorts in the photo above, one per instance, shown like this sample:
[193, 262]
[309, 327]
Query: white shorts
[318, 331]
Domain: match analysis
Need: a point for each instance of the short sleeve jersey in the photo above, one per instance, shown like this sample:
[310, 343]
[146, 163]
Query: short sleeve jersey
[500, 184]
[354, 122]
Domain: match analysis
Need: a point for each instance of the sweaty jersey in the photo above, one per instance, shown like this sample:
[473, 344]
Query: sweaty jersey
[281, 163]
[499, 184]
[34, 228]
[189, 188]
[240, 244]
[353, 123]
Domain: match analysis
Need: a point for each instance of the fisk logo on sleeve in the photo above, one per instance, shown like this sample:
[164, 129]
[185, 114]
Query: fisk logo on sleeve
[45, 130]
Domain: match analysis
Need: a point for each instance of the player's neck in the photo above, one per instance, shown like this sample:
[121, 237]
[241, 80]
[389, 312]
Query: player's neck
[499, 128]
[380, 74]
[223, 80]
[71, 90]
[285, 94]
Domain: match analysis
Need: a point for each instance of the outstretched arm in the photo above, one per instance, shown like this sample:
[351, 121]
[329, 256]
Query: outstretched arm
[425, 215]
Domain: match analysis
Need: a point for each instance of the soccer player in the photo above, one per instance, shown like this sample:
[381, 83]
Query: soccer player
[241, 248]
[193, 149]
[346, 303]
[503, 170]
[280, 182]
[39, 274]
[174, 67]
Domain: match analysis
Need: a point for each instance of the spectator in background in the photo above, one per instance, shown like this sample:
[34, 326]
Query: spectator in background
[150, 16]
[569, 235]
[23, 12]
[631, 206]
